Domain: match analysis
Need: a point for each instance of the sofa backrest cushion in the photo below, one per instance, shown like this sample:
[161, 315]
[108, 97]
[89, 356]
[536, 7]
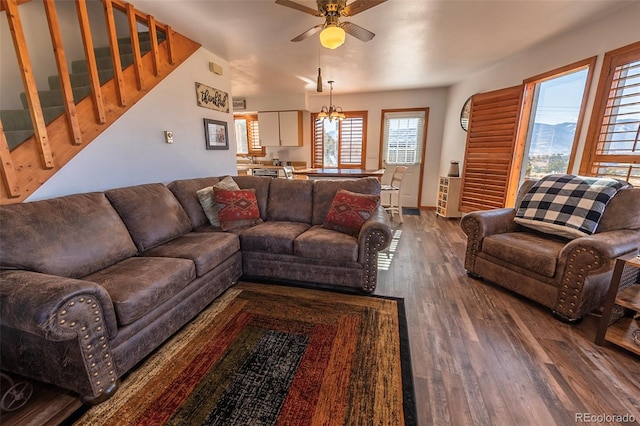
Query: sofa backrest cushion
[151, 213]
[290, 200]
[325, 190]
[69, 236]
[261, 184]
[185, 190]
[622, 212]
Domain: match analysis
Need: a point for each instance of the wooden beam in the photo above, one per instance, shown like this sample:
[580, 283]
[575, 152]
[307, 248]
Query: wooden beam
[170, 44]
[7, 169]
[115, 52]
[63, 71]
[18, 2]
[155, 52]
[135, 43]
[28, 79]
[96, 92]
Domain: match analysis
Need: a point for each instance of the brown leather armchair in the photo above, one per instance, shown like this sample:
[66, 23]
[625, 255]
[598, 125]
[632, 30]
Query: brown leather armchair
[571, 277]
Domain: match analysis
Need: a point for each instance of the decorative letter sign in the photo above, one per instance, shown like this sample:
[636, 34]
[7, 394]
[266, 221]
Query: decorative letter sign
[211, 98]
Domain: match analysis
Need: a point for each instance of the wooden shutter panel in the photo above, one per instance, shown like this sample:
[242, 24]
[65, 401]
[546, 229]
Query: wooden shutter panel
[253, 136]
[351, 142]
[489, 175]
[317, 153]
[613, 141]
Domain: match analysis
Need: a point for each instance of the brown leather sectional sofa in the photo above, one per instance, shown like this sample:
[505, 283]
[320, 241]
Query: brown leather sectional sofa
[90, 284]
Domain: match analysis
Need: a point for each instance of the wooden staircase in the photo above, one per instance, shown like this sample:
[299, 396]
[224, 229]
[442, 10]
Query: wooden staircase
[61, 121]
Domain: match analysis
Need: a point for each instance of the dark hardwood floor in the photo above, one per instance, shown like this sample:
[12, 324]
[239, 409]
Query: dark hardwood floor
[481, 355]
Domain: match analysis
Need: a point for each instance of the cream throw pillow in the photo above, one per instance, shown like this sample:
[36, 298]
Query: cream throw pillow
[205, 195]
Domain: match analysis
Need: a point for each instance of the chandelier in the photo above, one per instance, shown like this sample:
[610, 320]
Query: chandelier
[332, 112]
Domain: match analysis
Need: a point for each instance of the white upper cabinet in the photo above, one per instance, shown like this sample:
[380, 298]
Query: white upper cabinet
[280, 128]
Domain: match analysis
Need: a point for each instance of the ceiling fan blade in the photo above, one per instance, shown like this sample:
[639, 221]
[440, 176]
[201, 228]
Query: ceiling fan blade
[360, 6]
[357, 31]
[298, 6]
[308, 33]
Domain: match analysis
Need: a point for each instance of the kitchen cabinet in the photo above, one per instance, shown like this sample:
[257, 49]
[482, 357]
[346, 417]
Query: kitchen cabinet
[280, 128]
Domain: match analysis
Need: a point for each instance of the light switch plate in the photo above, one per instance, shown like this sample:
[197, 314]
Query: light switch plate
[168, 136]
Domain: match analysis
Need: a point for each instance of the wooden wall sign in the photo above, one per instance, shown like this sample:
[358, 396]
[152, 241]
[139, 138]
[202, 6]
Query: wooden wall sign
[211, 98]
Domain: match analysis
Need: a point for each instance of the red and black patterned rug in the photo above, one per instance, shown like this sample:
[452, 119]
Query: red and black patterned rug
[275, 355]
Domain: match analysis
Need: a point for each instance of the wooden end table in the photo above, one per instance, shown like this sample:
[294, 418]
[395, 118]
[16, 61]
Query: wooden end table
[620, 319]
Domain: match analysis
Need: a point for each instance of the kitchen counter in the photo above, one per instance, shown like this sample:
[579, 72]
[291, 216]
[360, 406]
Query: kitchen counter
[340, 173]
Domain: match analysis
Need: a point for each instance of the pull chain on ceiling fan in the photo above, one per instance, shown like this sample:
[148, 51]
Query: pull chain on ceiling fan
[333, 31]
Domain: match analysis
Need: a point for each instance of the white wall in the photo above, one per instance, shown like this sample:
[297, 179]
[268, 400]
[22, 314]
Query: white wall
[611, 32]
[133, 151]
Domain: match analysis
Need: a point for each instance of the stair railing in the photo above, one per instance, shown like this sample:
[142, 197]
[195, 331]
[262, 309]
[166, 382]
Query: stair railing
[64, 137]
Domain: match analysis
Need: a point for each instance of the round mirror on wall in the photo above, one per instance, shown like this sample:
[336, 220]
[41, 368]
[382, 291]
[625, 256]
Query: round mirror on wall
[464, 114]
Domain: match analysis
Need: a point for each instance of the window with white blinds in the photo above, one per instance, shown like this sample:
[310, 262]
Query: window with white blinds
[403, 135]
[339, 144]
[613, 142]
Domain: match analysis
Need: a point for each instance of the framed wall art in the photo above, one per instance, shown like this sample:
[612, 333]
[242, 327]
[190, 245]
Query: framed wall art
[216, 134]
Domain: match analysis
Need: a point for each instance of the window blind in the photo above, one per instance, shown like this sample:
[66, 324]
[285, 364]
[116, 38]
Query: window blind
[351, 144]
[253, 136]
[317, 152]
[613, 142]
[403, 134]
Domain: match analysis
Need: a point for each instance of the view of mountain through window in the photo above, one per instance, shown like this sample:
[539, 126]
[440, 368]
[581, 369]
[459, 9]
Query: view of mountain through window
[552, 128]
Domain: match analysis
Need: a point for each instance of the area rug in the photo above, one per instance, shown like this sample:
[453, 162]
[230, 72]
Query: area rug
[411, 211]
[275, 355]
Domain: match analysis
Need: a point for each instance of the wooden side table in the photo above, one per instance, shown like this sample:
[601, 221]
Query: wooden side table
[621, 309]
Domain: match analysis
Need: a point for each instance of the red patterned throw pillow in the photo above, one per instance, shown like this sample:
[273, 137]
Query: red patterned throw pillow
[349, 211]
[238, 208]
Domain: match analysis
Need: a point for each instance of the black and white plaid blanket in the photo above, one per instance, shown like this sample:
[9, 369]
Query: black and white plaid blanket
[567, 205]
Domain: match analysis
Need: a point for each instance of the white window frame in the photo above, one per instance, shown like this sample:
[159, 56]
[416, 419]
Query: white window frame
[412, 148]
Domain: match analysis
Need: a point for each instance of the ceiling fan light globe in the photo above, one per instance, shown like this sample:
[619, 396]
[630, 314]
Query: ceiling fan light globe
[332, 37]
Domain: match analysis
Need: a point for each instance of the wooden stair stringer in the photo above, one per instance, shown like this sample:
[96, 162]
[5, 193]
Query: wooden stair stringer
[28, 170]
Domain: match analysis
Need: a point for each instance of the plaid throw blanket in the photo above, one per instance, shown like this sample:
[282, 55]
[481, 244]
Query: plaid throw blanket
[567, 205]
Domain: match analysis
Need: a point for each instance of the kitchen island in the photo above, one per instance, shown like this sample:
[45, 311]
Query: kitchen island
[339, 173]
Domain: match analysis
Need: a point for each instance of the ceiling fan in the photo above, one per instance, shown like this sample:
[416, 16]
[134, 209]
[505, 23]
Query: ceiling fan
[333, 31]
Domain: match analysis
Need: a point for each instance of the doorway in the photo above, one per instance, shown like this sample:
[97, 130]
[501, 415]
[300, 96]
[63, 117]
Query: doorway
[404, 139]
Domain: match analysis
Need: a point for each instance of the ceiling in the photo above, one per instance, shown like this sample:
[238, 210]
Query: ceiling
[418, 43]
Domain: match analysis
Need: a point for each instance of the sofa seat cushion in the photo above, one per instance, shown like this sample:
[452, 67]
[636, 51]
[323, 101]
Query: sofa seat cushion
[534, 252]
[272, 237]
[321, 243]
[206, 249]
[140, 284]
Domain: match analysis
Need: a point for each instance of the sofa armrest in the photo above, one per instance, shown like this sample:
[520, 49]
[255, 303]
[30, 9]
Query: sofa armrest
[602, 249]
[477, 225]
[590, 255]
[375, 235]
[53, 307]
